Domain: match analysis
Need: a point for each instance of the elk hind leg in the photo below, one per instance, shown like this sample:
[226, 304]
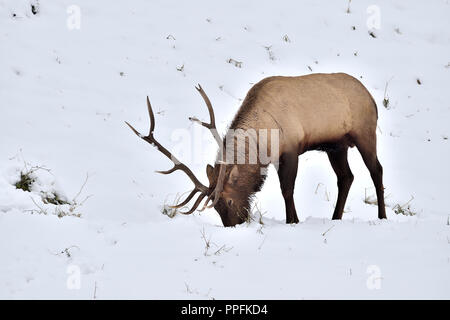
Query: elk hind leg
[368, 149]
[338, 160]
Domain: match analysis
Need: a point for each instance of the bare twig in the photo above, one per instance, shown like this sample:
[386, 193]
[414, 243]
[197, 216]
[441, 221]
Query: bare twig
[264, 240]
[188, 290]
[237, 64]
[74, 200]
[95, 290]
[317, 188]
[207, 241]
[386, 98]
[323, 234]
[41, 210]
[270, 52]
[404, 209]
[223, 248]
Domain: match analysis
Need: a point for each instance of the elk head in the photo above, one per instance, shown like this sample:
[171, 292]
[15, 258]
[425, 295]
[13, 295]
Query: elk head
[224, 188]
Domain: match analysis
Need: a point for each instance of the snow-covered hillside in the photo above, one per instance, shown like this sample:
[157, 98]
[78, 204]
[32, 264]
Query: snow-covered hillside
[92, 225]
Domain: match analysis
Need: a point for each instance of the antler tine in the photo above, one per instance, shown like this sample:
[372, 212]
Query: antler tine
[212, 127]
[199, 187]
[212, 120]
[205, 205]
[152, 123]
[217, 190]
[134, 130]
[152, 117]
[197, 202]
[186, 201]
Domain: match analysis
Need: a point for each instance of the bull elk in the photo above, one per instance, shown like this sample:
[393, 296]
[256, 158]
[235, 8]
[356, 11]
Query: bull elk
[327, 112]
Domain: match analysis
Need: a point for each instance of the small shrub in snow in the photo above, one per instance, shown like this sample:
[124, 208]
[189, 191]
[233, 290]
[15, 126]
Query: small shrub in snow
[386, 98]
[59, 212]
[26, 181]
[66, 251]
[181, 69]
[209, 244]
[404, 209]
[54, 198]
[167, 210]
[35, 7]
[270, 53]
[237, 64]
[286, 38]
[398, 209]
[45, 197]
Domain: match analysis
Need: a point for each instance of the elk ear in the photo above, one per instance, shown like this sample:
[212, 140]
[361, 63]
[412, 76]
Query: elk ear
[234, 175]
[210, 172]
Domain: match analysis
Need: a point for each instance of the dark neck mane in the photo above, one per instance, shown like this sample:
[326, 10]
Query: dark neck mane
[252, 176]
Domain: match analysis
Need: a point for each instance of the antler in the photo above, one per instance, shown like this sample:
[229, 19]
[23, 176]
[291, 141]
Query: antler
[217, 190]
[211, 126]
[199, 187]
[212, 122]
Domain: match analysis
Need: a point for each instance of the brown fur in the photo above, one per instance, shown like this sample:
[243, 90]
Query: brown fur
[328, 112]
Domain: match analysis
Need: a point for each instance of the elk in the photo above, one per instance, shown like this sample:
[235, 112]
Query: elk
[326, 112]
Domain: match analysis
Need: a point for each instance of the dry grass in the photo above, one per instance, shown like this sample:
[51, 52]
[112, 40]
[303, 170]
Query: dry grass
[404, 209]
[237, 64]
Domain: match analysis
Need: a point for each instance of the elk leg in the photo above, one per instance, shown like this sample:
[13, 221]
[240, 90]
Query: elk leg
[287, 173]
[368, 151]
[344, 175]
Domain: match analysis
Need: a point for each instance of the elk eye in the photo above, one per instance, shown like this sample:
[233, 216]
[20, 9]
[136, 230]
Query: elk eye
[230, 202]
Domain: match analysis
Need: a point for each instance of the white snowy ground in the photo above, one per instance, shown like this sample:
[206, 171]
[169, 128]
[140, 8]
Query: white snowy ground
[65, 94]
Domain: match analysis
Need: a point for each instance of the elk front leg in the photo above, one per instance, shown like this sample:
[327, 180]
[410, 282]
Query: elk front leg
[287, 172]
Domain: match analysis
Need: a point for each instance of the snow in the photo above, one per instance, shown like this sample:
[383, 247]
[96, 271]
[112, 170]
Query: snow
[65, 94]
